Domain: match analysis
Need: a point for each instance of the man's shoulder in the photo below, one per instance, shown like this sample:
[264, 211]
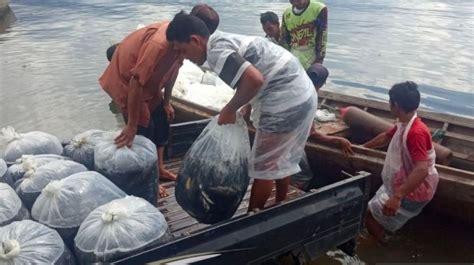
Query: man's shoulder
[419, 129]
[316, 4]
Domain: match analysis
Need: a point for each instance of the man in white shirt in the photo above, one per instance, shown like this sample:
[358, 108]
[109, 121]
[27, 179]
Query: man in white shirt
[272, 81]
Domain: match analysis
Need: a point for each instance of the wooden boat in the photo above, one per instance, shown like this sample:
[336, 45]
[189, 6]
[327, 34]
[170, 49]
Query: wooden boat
[455, 194]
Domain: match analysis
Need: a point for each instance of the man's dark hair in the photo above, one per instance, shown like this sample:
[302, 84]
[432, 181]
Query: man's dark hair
[269, 16]
[318, 74]
[111, 50]
[183, 26]
[208, 15]
[406, 95]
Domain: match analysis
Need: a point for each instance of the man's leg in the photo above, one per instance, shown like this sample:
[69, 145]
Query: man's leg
[164, 173]
[282, 186]
[261, 190]
[374, 228]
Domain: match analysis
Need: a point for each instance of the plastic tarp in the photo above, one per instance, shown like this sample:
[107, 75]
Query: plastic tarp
[133, 169]
[64, 204]
[28, 242]
[214, 177]
[30, 186]
[11, 207]
[120, 228]
[27, 163]
[81, 147]
[13, 145]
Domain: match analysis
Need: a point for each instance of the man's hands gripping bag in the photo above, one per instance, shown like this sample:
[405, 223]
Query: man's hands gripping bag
[81, 147]
[120, 228]
[13, 145]
[11, 207]
[64, 204]
[214, 177]
[33, 182]
[133, 169]
[28, 242]
[27, 163]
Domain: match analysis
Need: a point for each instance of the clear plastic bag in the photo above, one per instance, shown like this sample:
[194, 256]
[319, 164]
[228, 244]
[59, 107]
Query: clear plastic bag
[13, 145]
[302, 180]
[11, 207]
[30, 186]
[133, 169]
[27, 163]
[120, 228]
[3, 169]
[81, 147]
[64, 204]
[213, 177]
[28, 242]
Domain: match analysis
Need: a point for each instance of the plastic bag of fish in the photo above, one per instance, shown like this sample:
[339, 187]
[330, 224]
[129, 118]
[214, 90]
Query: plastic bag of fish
[81, 147]
[133, 169]
[13, 145]
[64, 204]
[11, 207]
[120, 228]
[29, 242]
[214, 177]
[27, 163]
[34, 181]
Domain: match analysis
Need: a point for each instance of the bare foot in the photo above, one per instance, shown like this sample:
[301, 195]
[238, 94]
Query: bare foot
[167, 175]
[375, 229]
[163, 192]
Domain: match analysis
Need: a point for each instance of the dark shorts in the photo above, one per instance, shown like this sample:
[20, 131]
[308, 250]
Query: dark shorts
[158, 130]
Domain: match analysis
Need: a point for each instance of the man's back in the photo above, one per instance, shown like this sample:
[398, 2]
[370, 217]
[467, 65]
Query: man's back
[286, 82]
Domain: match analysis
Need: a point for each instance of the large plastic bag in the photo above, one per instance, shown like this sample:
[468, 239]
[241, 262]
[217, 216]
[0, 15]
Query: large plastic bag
[81, 147]
[214, 177]
[27, 163]
[120, 228]
[29, 242]
[3, 169]
[302, 180]
[13, 145]
[11, 207]
[133, 169]
[30, 186]
[64, 204]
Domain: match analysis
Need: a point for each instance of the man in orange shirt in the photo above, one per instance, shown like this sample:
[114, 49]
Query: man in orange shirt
[141, 66]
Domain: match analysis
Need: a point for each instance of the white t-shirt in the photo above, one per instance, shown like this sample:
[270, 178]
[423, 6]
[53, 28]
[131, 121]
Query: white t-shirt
[286, 82]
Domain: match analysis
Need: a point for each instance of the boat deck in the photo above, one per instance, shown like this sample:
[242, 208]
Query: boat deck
[180, 222]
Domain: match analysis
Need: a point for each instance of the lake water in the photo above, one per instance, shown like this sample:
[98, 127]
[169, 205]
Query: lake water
[52, 56]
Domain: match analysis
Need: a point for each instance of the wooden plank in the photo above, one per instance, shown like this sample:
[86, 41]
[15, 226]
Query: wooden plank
[440, 117]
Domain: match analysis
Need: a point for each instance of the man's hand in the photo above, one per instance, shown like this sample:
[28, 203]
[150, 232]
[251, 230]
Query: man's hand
[169, 110]
[226, 117]
[126, 137]
[391, 206]
[346, 146]
[246, 111]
